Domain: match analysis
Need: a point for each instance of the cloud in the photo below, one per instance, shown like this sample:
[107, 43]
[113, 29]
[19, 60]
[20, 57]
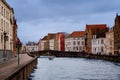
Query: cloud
[37, 18]
[61, 8]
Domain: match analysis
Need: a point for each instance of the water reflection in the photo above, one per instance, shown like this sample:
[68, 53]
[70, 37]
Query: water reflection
[75, 69]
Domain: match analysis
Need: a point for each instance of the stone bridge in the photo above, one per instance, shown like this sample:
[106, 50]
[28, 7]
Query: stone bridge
[114, 58]
[58, 53]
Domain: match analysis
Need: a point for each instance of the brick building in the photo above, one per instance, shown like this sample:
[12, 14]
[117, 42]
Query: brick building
[14, 37]
[8, 29]
[116, 30]
[89, 32]
[59, 43]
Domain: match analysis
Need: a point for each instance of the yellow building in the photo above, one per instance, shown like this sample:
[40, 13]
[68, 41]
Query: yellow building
[8, 31]
[6, 25]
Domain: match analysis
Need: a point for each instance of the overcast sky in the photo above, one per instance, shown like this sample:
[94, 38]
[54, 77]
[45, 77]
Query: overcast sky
[36, 18]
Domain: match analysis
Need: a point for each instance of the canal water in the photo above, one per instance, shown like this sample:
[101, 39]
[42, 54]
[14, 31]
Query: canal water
[75, 69]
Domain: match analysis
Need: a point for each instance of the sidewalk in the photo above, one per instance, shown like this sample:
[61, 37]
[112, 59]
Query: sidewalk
[9, 66]
[6, 62]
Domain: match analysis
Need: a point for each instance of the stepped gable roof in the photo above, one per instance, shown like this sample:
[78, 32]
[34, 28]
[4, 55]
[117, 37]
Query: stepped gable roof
[95, 28]
[77, 34]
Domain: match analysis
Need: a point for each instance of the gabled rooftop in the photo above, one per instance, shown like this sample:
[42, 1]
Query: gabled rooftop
[77, 34]
[94, 28]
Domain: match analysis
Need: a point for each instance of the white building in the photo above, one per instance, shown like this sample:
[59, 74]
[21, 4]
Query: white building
[32, 46]
[98, 43]
[75, 41]
[6, 25]
[51, 44]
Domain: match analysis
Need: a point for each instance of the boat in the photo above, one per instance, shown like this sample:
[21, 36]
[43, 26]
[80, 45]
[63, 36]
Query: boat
[51, 57]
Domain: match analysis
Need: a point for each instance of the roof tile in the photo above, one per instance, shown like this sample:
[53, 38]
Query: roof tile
[77, 34]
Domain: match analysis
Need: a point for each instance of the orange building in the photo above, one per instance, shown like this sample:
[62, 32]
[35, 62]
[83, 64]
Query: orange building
[59, 42]
[49, 37]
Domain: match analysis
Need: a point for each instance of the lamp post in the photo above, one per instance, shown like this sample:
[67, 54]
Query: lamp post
[5, 39]
[18, 45]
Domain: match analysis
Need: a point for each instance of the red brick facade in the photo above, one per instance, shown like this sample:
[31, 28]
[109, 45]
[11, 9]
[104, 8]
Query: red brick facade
[89, 32]
[116, 30]
[14, 37]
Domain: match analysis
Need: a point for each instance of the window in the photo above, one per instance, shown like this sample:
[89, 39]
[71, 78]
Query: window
[78, 42]
[82, 42]
[74, 43]
[2, 10]
[73, 48]
[80, 48]
[77, 48]
[2, 24]
[98, 41]
[102, 49]
[95, 49]
[102, 41]
[1, 38]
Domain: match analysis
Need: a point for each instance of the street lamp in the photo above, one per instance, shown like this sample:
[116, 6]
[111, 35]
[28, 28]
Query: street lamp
[18, 46]
[5, 39]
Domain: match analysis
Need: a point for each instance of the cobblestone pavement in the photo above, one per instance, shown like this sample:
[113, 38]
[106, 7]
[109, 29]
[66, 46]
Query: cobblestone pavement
[8, 66]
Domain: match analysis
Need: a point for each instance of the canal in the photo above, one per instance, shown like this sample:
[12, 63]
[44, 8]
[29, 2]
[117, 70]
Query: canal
[75, 69]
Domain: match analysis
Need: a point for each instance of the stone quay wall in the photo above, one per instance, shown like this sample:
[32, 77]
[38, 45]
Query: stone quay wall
[23, 72]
